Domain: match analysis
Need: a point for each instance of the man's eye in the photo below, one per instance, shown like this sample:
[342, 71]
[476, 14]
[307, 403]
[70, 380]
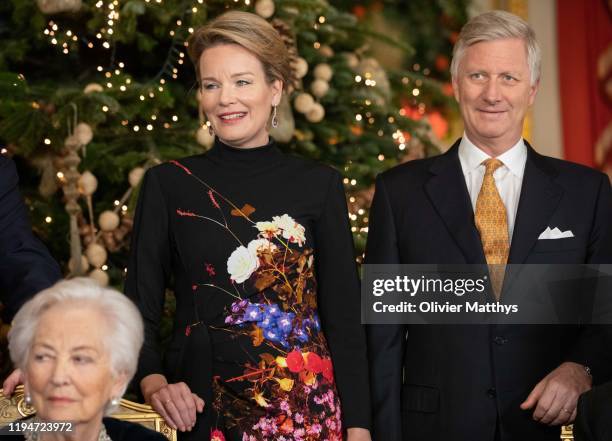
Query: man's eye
[477, 76]
[509, 78]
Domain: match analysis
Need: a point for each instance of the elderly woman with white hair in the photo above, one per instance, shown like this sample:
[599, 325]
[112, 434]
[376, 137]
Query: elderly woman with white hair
[77, 345]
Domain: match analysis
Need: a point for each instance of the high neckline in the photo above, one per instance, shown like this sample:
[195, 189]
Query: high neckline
[243, 159]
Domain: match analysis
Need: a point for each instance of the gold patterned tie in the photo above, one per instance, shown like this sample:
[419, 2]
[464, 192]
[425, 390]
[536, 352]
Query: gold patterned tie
[492, 225]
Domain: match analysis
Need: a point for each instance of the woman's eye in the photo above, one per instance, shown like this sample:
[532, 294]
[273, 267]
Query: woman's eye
[242, 82]
[41, 357]
[209, 86]
[82, 359]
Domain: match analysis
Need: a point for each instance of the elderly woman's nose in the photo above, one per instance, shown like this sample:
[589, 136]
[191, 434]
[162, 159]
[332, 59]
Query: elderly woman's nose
[60, 372]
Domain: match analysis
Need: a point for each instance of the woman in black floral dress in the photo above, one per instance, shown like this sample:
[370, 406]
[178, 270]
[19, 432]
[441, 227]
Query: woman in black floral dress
[257, 248]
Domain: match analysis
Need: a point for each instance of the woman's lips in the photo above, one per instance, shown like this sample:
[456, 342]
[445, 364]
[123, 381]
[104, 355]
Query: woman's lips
[232, 118]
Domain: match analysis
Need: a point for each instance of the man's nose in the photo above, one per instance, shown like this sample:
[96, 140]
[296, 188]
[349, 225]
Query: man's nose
[492, 92]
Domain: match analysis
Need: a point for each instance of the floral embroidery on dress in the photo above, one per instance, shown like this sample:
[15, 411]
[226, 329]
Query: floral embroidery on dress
[289, 393]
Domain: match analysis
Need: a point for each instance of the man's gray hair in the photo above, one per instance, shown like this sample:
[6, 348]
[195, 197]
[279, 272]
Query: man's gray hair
[497, 25]
[124, 327]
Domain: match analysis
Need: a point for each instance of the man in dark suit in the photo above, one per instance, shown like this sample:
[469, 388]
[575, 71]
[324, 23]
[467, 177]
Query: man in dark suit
[594, 417]
[490, 199]
[26, 267]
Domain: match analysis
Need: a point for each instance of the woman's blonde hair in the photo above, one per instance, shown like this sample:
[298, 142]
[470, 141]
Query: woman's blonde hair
[249, 31]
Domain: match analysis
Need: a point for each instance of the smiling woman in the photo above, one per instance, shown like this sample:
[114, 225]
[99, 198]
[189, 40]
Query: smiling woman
[77, 344]
[257, 248]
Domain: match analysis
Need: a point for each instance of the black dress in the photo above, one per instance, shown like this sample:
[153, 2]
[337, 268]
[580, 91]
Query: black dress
[257, 247]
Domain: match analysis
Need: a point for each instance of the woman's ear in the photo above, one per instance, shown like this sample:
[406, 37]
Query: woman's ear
[277, 92]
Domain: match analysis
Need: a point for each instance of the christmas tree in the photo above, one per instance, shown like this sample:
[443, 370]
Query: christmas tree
[96, 91]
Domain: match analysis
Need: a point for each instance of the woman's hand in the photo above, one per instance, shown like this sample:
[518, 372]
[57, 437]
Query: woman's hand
[11, 382]
[358, 434]
[174, 402]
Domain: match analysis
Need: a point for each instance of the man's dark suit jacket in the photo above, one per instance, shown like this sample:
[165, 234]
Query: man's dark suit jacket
[594, 418]
[459, 381]
[26, 266]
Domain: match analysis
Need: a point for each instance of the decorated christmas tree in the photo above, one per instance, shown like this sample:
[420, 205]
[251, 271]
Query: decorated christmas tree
[96, 91]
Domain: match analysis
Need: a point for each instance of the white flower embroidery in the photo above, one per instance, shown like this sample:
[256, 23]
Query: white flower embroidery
[261, 245]
[267, 229]
[292, 231]
[241, 264]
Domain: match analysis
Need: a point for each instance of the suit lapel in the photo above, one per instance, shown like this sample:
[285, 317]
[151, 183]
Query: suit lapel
[448, 193]
[539, 198]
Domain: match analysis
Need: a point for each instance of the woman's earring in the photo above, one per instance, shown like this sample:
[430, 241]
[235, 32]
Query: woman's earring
[28, 399]
[210, 129]
[274, 118]
[114, 401]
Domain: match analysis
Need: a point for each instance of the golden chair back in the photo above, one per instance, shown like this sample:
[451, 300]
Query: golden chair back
[14, 408]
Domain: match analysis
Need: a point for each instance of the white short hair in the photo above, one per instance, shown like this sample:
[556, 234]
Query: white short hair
[123, 338]
[497, 25]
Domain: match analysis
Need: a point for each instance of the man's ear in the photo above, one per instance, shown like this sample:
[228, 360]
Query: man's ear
[533, 91]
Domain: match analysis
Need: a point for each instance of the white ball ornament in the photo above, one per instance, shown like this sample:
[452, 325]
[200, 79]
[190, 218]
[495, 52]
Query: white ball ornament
[96, 255]
[265, 8]
[99, 276]
[83, 133]
[72, 264]
[135, 176]
[300, 66]
[316, 113]
[323, 72]
[319, 88]
[108, 220]
[88, 183]
[204, 137]
[93, 87]
[303, 102]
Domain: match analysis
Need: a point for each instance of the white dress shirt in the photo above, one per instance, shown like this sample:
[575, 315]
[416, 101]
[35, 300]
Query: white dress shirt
[508, 178]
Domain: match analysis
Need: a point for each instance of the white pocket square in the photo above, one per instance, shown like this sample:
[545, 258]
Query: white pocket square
[555, 233]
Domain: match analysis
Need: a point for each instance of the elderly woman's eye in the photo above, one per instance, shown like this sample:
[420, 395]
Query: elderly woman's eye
[82, 359]
[243, 82]
[41, 357]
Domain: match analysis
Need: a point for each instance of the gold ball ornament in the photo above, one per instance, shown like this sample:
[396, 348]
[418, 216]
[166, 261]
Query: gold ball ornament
[88, 183]
[300, 67]
[326, 51]
[319, 88]
[108, 220]
[93, 87]
[323, 72]
[303, 102]
[204, 137]
[84, 264]
[100, 277]
[265, 8]
[135, 176]
[316, 113]
[352, 60]
[96, 255]
[83, 133]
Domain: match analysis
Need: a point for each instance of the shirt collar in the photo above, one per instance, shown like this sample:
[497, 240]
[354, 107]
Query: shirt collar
[514, 159]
